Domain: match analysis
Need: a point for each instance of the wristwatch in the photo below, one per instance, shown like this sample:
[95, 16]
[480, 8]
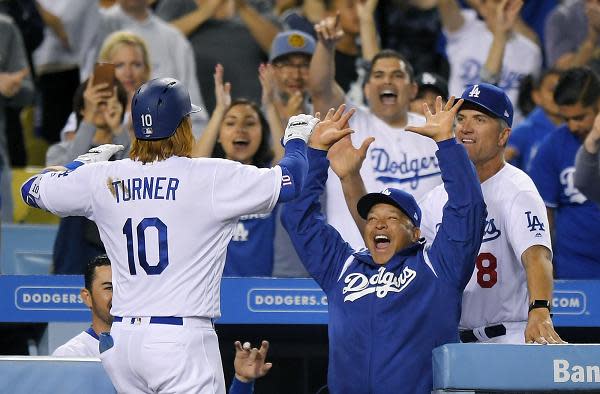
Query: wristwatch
[540, 304]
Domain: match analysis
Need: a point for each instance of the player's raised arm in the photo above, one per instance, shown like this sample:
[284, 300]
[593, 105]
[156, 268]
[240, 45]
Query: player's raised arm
[455, 247]
[302, 217]
[61, 189]
[346, 161]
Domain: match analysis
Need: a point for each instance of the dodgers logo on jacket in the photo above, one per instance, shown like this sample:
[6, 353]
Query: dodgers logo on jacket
[381, 283]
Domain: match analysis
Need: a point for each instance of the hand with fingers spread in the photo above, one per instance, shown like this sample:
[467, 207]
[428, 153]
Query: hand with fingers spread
[250, 362]
[439, 126]
[540, 328]
[267, 83]
[344, 159]
[331, 129]
[329, 31]
[222, 90]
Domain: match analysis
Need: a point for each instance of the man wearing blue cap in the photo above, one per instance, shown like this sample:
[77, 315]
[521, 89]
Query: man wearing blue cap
[290, 56]
[516, 252]
[514, 266]
[391, 304]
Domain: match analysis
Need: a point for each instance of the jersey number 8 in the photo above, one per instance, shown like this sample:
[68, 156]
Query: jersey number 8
[487, 276]
[163, 248]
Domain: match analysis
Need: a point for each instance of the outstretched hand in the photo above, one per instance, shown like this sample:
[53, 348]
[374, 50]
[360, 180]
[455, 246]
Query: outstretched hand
[222, 90]
[331, 129]
[329, 31]
[344, 159]
[250, 362]
[99, 153]
[439, 125]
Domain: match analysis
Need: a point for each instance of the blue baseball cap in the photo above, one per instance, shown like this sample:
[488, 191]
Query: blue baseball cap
[291, 42]
[396, 197]
[492, 99]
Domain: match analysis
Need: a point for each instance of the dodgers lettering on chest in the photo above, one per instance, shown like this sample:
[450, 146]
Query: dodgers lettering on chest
[359, 285]
[402, 168]
[147, 188]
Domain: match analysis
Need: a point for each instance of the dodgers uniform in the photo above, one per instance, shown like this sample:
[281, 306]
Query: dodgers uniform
[165, 226]
[84, 344]
[384, 320]
[397, 158]
[497, 291]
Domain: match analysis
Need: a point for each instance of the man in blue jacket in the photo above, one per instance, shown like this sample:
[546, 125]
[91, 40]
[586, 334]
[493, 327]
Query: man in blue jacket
[391, 304]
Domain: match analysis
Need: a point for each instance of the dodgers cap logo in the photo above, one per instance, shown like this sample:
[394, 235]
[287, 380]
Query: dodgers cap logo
[492, 99]
[396, 197]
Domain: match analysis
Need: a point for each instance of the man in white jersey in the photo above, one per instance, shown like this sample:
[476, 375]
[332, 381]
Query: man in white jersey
[514, 265]
[165, 220]
[397, 159]
[97, 295]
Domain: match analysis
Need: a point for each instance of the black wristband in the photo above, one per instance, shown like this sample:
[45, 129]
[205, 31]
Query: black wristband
[540, 304]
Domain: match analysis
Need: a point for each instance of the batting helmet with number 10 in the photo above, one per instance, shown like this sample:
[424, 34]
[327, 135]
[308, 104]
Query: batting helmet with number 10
[158, 107]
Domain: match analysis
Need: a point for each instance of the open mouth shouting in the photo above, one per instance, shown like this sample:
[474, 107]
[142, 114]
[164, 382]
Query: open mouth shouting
[388, 97]
[381, 242]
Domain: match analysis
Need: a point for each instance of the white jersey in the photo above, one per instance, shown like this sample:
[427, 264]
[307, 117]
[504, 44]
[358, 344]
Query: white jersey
[467, 50]
[397, 158]
[165, 225]
[81, 345]
[516, 220]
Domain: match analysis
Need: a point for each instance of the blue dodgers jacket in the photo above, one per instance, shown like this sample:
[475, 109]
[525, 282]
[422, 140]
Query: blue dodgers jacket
[384, 320]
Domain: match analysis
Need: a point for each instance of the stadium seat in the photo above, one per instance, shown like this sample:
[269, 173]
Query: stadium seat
[27, 249]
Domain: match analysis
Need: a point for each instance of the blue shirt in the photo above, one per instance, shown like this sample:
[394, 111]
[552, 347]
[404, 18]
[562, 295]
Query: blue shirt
[576, 219]
[250, 252]
[527, 137]
[384, 320]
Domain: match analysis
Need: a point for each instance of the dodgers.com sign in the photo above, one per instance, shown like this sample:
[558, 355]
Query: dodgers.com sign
[44, 298]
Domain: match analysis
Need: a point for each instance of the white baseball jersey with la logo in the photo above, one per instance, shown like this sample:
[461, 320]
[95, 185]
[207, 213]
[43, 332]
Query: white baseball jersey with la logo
[516, 220]
[165, 225]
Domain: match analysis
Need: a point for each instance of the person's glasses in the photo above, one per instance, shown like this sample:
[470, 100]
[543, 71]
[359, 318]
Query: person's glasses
[289, 66]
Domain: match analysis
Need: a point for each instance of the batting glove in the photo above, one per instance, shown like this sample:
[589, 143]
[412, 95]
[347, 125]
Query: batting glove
[300, 126]
[99, 153]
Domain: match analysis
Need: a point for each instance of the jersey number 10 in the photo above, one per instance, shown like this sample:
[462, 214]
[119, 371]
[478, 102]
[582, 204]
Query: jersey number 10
[163, 248]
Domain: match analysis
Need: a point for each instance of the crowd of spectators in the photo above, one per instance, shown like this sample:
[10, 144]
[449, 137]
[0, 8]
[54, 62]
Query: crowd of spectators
[251, 64]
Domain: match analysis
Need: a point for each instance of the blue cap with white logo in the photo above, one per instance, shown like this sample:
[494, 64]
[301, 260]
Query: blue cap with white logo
[396, 197]
[292, 41]
[492, 99]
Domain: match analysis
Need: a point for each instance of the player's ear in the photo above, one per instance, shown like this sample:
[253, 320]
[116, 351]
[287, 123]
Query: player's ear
[416, 234]
[86, 297]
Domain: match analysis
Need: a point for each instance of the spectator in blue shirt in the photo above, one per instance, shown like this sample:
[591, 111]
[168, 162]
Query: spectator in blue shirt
[575, 219]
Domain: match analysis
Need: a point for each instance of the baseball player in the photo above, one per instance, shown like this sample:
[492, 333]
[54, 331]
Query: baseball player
[385, 302]
[97, 295]
[166, 220]
[513, 268]
[397, 158]
[509, 296]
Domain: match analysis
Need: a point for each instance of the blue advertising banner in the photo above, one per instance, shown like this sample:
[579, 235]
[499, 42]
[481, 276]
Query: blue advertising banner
[46, 298]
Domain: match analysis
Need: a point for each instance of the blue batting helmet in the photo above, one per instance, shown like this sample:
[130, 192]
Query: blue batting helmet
[158, 107]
